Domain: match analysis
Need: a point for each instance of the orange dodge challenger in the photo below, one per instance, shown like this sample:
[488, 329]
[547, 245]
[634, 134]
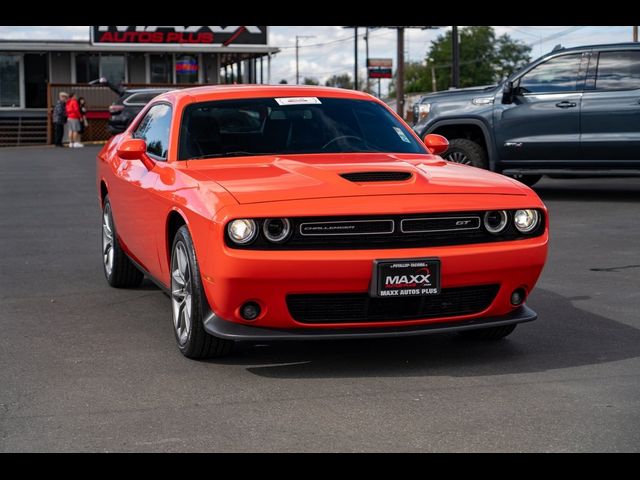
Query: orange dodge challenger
[306, 213]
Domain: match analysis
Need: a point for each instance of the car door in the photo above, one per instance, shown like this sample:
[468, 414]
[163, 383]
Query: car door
[135, 202]
[611, 110]
[542, 125]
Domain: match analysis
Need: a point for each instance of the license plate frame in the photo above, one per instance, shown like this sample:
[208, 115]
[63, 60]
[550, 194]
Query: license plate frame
[406, 278]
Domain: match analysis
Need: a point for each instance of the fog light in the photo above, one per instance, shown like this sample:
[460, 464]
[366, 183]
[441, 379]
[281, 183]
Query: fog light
[250, 311]
[526, 220]
[243, 231]
[517, 297]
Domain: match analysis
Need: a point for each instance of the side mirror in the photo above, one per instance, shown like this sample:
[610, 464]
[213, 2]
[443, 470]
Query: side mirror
[436, 144]
[508, 93]
[135, 149]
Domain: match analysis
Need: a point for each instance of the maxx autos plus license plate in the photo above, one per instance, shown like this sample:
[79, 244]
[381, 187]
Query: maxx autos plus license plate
[406, 278]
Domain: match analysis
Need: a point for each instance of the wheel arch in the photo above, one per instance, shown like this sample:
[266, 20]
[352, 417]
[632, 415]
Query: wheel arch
[104, 191]
[175, 221]
[467, 125]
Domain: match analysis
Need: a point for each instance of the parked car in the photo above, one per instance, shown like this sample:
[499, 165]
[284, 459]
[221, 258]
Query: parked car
[129, 104]
[575, 111]
[303, 213]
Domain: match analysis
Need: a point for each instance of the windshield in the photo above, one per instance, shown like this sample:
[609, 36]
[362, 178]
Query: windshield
[270, 126]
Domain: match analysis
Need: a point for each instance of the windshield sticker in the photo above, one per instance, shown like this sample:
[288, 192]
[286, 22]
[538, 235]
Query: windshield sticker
[402, 135]
[285, 102]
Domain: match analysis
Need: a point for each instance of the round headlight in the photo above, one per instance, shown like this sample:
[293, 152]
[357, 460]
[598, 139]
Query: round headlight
[242, 231]
[496, 221]
[526, 220]
[277, 230]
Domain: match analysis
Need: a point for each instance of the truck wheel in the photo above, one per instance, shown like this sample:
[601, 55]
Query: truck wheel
[188, 303]
[118, 269]
[466, 152]
[494, 333]
[528, 180]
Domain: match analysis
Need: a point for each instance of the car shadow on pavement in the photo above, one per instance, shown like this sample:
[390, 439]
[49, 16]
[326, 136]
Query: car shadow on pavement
[629, 192]
[564, 336]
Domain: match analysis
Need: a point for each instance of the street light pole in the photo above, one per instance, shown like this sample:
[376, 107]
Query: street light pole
[366, 40]
[355, 70]
[635, 33]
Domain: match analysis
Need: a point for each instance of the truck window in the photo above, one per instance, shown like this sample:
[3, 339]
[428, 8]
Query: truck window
[559, 74]
[618, 71]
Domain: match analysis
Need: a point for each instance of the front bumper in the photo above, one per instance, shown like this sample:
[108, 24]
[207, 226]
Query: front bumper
[244, 333]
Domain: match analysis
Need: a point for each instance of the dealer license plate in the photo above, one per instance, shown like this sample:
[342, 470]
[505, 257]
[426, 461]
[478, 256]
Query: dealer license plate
[406, 278]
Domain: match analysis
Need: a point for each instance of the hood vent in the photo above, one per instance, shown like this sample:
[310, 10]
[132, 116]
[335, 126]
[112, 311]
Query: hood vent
[369, 177]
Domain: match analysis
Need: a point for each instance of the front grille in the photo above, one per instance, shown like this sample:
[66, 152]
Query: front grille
[388, 231]
[361, 308]
[368, 177]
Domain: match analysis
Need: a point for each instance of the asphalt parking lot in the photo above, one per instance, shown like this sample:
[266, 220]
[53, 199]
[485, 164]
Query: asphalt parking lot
[87, 368]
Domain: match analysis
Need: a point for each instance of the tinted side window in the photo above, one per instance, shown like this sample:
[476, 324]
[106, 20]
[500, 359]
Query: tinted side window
[559, 74]
[618, 71]
[154, 129]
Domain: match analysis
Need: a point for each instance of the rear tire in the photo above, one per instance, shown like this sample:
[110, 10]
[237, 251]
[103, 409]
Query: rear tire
[494, 333]
[189, 303]
[118, 269]
[466, 152]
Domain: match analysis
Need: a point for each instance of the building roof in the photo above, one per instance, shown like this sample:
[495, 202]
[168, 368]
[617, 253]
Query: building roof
[86, 46]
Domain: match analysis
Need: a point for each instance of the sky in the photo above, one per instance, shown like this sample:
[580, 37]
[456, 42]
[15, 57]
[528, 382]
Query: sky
[331, 49]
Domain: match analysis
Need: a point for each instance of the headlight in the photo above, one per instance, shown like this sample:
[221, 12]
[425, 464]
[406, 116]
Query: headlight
[242, 231]
[526, 220]
[423, 111]
[277, 230]
[496, 221]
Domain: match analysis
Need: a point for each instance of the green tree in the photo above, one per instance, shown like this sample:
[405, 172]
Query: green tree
[310, 81]
[484, 59]
[340, 81]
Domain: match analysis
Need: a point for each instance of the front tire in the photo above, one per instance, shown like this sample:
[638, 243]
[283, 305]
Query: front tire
[466, 152]
[189, 304]
[118, 269]
[494, 333]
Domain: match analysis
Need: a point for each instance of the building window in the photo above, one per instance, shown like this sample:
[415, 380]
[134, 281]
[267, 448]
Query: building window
[9, 81]
[161, 68]
[187, 69]
[112, 68]
[87, 67]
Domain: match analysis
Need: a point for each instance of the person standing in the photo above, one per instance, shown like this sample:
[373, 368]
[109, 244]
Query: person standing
[59, 118]
[84, 109]
[74, 116]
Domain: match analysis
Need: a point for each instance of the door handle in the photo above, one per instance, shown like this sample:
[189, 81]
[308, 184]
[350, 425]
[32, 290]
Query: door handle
[566, 104]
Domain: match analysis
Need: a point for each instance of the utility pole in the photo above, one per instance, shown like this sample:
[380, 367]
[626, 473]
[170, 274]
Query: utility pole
[298, 37]
[400, 73]
[434, 82]
[366, 41]
[455, 74]
[355, 70]
[635, 33]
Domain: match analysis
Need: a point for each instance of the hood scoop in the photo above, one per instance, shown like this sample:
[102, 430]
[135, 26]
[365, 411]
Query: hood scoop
[373, 177]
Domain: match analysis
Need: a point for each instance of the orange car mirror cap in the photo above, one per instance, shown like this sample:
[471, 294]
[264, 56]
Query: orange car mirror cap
[436, 144]
[136, 149]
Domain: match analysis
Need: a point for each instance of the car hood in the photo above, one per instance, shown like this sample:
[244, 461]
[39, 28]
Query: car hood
[297, 177]
[460, 92]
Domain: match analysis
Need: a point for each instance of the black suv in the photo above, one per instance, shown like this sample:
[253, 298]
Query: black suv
[575, 111]
[128, 106]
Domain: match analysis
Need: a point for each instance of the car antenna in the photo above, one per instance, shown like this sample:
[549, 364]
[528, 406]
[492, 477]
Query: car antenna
[557, 47]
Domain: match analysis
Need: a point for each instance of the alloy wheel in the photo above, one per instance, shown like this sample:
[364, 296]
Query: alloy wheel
[181, 293]
[107, 240]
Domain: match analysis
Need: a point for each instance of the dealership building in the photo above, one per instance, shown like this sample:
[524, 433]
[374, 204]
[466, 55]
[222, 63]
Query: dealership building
[32, 73]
